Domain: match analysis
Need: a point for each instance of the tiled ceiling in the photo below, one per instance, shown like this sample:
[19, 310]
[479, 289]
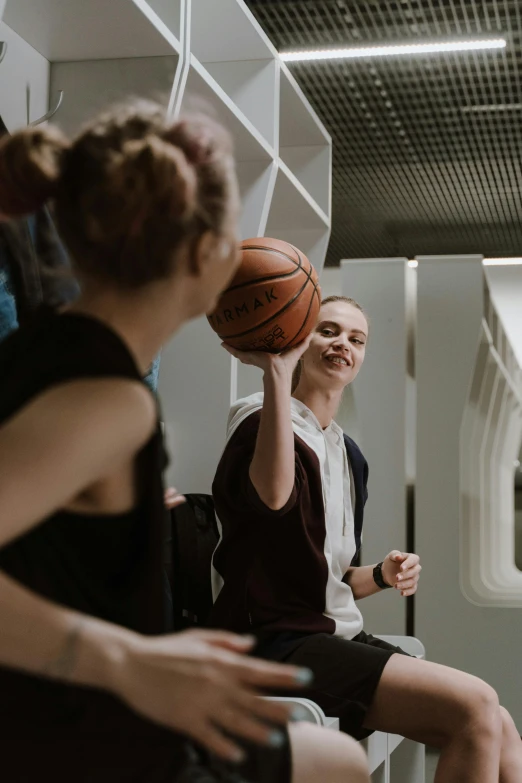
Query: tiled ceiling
[427, 149]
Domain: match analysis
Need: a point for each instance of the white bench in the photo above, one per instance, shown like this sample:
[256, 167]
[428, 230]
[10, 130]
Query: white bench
[391, 758]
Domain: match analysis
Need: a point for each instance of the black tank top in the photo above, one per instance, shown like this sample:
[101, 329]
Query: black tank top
[109, 566]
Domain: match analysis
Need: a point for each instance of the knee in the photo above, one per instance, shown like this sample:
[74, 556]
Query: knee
[509, 730]
[482, 712]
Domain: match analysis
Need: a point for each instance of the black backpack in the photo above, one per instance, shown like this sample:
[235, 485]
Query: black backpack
[194, 537]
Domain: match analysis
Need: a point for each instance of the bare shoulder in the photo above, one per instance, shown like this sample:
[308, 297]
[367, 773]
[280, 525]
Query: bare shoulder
[118, 403]
[122, 393]
[117, 410]
[64, 441]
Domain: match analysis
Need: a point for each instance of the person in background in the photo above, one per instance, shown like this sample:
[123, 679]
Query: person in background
[92, 685]
[289, 493]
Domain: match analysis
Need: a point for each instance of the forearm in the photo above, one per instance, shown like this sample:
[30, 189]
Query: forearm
[272, 470]
[361, 581]
[45, 639]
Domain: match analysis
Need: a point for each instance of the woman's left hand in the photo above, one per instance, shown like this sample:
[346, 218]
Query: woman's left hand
[402, 570]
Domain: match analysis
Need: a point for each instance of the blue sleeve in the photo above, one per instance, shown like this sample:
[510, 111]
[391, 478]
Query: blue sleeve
[151, 379]
[8, 312]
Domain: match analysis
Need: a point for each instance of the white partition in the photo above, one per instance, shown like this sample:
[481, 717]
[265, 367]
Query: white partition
[183, 53]
[463, 409]
[490, 445]
[505, 290]
[380, 407]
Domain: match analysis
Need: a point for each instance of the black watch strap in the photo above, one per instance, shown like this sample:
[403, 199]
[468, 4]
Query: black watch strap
[378, 577]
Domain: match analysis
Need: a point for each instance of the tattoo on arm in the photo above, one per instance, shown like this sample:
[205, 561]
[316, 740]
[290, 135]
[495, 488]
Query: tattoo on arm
[62, 667]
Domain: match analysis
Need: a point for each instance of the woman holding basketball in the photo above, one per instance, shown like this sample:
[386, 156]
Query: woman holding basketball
[92, 688]
[289, 494]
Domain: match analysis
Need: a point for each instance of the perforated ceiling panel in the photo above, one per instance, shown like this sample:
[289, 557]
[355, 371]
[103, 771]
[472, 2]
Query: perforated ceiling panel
[427, 150]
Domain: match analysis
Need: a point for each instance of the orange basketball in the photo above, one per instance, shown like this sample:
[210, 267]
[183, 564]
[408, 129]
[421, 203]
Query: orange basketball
[273, 301]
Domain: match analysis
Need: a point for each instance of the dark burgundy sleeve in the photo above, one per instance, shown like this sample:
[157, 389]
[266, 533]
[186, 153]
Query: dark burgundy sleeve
[232, 482]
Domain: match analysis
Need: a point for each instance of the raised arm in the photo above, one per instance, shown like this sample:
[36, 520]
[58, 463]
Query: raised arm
[272, 470]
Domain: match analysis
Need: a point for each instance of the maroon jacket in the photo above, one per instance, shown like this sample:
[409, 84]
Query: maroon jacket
[272, 562]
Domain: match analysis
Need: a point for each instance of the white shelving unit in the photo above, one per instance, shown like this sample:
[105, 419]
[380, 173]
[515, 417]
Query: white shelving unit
[64, 30]
[304, 144]
[246, 67]
[101, 83]
[184, 53]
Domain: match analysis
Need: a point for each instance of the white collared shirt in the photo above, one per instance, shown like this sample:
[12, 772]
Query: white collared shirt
[339, 502]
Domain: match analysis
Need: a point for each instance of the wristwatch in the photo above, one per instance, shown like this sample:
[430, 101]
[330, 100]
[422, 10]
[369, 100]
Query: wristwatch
[378, 577]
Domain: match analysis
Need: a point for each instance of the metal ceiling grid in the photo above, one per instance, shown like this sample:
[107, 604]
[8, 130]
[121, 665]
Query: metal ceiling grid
[427, 149]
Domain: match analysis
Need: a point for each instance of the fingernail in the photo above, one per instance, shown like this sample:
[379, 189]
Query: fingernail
[399, 577]
[276, 739]
[248, 639]
[298, 713]
[304, 676]
[238, 756]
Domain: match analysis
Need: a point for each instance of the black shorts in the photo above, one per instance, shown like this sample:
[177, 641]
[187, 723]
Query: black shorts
[346, 672]
[262, 765]
[117, 759]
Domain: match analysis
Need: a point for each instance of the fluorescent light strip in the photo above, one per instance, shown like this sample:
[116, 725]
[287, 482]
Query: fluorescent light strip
[393, 50]
[487, 107]
[485, 261]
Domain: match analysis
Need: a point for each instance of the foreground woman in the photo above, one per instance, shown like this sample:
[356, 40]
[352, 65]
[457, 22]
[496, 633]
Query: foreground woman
[91, 688]
[289, 493]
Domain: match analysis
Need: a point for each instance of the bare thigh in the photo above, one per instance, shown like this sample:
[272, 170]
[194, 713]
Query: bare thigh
[325, 755]
[425, 701]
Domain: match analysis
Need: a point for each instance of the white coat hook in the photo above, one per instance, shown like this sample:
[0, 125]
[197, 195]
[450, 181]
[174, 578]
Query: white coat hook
[51, 112]
[3, 50]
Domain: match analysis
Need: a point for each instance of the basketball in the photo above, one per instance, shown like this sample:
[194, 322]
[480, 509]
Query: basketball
[273, 301]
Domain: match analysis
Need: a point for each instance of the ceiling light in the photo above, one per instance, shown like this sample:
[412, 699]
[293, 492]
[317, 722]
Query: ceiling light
[502, 261]
[514, 261]
[487, 107]
[394, 50]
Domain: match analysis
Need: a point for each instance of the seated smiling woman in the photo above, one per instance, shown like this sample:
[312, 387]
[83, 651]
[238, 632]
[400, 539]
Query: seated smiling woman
[289, 494]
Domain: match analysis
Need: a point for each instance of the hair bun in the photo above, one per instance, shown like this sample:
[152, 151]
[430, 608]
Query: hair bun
[151, 167]
[30, 168]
